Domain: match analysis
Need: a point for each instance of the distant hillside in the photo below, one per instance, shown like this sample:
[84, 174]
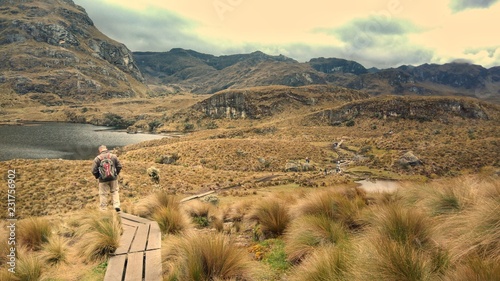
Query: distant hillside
[187, 70]
[410, 108]
[195, 72]
[270, 101]
[51, 47]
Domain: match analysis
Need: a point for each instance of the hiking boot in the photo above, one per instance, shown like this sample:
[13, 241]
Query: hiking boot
[117, 210]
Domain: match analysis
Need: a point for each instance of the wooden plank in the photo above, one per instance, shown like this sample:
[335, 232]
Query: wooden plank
[134, 266]
[134, 218]
[153, 266]
[126, 239]
[115, 270]
[197, 196]
[140, 239]
[154, 238]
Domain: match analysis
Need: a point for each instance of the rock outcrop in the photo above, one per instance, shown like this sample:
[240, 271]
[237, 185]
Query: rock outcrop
[259, 102]
[415, 108]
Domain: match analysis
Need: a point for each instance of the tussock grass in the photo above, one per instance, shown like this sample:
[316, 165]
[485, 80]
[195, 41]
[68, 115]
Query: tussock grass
[475, 269]
[403, 225]
[55, 251]
[209, 256]
[448, 200]
[33, 232]
[479, 231]
[396, 261]
[328, 263]
[272, 215]
[149, 205]
[200, 212]
[29, 267]
[197, 208]
[166, 210]
[308, 233]
[171, 220]
[236, 211]
[344, 207]
[100, 235]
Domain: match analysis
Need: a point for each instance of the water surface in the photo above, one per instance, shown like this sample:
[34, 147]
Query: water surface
[378, 185]
[62, 140]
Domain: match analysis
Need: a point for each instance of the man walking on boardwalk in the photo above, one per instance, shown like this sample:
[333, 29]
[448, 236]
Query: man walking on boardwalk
[106, 169]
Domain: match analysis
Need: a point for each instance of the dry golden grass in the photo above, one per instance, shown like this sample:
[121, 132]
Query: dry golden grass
[272, 216]
[100, 235]
[55, 251]
[205, 257]
[310, 232]
[240, 153]
[338, 205]
[33, 232]
[328, 263]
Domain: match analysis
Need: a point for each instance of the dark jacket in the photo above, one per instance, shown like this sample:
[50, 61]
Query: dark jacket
[97, 163]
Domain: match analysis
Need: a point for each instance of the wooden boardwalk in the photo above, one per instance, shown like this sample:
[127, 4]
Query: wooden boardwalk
[138, 258]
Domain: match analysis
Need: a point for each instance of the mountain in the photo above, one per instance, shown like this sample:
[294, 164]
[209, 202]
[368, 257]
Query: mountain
[187, 70]
[52, 47]
[202, 73]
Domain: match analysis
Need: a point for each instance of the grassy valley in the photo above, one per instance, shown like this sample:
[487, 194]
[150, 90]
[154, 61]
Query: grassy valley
[273, 215]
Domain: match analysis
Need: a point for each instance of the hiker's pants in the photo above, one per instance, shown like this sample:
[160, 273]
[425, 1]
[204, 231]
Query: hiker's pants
[104, 189]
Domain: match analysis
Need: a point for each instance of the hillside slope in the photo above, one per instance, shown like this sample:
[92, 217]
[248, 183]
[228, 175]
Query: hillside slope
[52, 52]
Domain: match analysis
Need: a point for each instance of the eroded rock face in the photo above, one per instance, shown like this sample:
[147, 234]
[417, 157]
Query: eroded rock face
[52, 46]
[417, 108]
[230, 105]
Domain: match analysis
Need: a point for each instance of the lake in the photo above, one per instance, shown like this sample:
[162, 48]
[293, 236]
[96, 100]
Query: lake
[378, 185]
[62, 140]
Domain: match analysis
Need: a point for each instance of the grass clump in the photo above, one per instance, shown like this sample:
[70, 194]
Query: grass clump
[199, 212]
[272, 215]
[329, 263]
[403, 225]
[211, 256]
[156, 201]
[307, 233]
[100, 235]
[33, 232]
[55, 251]
[170, 220]
[28, 267]
[344, 207]
[164, 209]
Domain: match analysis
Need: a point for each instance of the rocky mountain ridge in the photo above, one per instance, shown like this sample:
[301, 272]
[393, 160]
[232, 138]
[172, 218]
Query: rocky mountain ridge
[202, 73]
[53, 54]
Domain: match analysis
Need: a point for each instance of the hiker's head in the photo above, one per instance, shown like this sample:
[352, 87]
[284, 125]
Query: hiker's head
[102, 148]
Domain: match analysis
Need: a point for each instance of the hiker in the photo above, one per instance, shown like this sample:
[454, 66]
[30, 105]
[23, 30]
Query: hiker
[106, 169]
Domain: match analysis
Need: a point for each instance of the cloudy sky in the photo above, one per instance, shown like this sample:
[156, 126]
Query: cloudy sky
[380, 33]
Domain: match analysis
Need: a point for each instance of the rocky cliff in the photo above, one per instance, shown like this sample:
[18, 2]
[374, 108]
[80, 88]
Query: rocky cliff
[422, 109]
[260, 102]
[53, 47]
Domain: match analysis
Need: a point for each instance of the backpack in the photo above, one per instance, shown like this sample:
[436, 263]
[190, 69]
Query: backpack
[107, 169]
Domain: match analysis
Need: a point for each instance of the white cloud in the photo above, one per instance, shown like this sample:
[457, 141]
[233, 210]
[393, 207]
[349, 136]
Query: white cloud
[378, 33]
